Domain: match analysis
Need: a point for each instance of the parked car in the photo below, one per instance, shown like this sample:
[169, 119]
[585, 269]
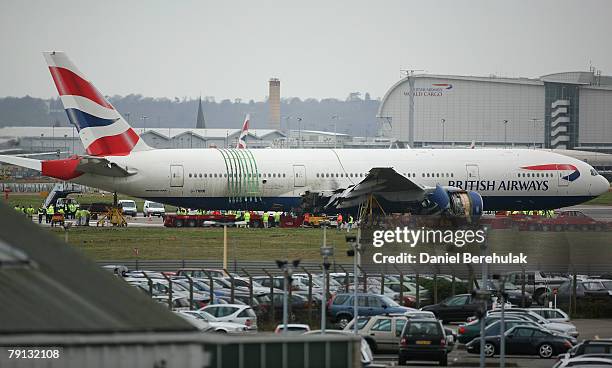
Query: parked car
[201, 272]
[552, 314]
[292, 328]
[586, 361]
[494, 328]
[588, 289]
[565, 328]
[514, 294]
[524, 340]
[128, 207]
[179, 303]
[201, 325]
[456, 308]
[589, 347]
[538, 283]
[409, 292]
[242, 314]
[467, 332]
[382, 332]
[367, 358]
[340, 308]
[214, 325]
[423, 339]
[153, 209]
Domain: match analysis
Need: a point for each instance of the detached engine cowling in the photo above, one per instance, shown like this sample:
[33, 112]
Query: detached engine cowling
[456, 202]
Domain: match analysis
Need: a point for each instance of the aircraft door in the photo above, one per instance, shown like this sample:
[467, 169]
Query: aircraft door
[176, 176]
[472, 172]
[299, 176]
[563, 176]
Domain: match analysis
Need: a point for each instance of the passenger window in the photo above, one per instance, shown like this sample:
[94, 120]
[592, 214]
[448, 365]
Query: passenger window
[523, 332]
[374, 302]
[382, 325]
[361, 301]
[399, 325]
[538, 333]
[458, 300]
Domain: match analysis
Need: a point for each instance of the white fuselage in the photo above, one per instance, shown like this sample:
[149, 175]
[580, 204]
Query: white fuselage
[258, 178]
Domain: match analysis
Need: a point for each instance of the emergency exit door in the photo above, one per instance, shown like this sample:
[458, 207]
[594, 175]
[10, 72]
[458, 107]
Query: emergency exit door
[299, 176]
[176, 176]
[472, 172]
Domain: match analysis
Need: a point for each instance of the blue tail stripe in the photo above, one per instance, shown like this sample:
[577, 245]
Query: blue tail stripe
[82, 120]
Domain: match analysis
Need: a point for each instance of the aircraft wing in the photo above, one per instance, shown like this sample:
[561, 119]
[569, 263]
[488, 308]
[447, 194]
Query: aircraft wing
[102, 166]
[381, 181]
[86, 164]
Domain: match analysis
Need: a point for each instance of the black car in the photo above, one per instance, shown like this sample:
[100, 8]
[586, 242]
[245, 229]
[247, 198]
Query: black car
[423, 339]
[524, 340]
[456, 308]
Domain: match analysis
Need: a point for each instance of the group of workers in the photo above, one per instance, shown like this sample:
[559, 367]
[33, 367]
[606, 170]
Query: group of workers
[541, 213]
[68, 211]
[268, 218]
[348, 225]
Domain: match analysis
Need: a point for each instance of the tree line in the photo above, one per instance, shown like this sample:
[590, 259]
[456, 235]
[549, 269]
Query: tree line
[356, 115]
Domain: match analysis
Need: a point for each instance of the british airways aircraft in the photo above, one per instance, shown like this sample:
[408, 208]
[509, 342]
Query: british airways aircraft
[455, 181]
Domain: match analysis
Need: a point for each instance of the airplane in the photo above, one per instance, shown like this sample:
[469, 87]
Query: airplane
[441, 181]
[244, 132]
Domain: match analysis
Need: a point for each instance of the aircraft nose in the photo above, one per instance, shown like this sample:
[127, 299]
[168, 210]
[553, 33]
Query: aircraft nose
[601, 186]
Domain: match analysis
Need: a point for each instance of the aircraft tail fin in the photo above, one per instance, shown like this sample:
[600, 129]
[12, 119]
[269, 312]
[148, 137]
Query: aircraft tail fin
[101, 128]
[244, 132]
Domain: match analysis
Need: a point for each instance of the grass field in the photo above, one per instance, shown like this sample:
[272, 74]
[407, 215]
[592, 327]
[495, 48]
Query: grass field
[604, 199]
[204, 243]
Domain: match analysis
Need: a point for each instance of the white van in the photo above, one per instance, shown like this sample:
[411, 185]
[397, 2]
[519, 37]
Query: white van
[153, 209]
[128, 207]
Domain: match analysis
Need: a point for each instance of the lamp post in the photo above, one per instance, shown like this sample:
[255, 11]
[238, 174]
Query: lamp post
[144, 123]
[325, 253]
[505, 133]
[443, 141]
[335, 120]
[354, 250]
[287, 269]
[299, 132]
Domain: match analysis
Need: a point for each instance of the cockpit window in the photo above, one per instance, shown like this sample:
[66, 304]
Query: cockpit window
[594, 172]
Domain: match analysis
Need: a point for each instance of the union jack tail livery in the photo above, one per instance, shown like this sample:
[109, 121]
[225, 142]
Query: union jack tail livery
[244, 132]
[101, 128]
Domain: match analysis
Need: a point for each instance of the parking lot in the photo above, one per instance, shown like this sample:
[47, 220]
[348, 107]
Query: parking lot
[459, 357]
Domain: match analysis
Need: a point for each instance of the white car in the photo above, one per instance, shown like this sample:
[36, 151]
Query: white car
[128, 207]
[552, 314]
[292, 328]
[195, 322]
[236, 313]
[153, 209]
[214, 325]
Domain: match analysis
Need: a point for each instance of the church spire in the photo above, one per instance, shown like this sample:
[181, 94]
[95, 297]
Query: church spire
[200, 123]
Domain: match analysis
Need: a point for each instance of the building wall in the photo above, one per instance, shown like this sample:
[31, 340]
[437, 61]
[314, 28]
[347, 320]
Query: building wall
[595, 117]
[473, 110]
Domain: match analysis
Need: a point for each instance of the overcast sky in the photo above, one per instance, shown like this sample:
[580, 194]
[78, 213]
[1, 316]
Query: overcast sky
[229, 49]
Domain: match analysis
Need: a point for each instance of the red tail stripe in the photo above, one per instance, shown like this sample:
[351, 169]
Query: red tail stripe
[68, 83]
[551, 167]
[114, 145]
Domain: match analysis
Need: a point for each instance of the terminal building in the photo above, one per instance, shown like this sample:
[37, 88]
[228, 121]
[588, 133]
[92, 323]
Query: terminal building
[571, 110]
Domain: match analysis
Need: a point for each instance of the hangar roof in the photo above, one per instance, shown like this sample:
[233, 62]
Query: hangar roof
[47, 286]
